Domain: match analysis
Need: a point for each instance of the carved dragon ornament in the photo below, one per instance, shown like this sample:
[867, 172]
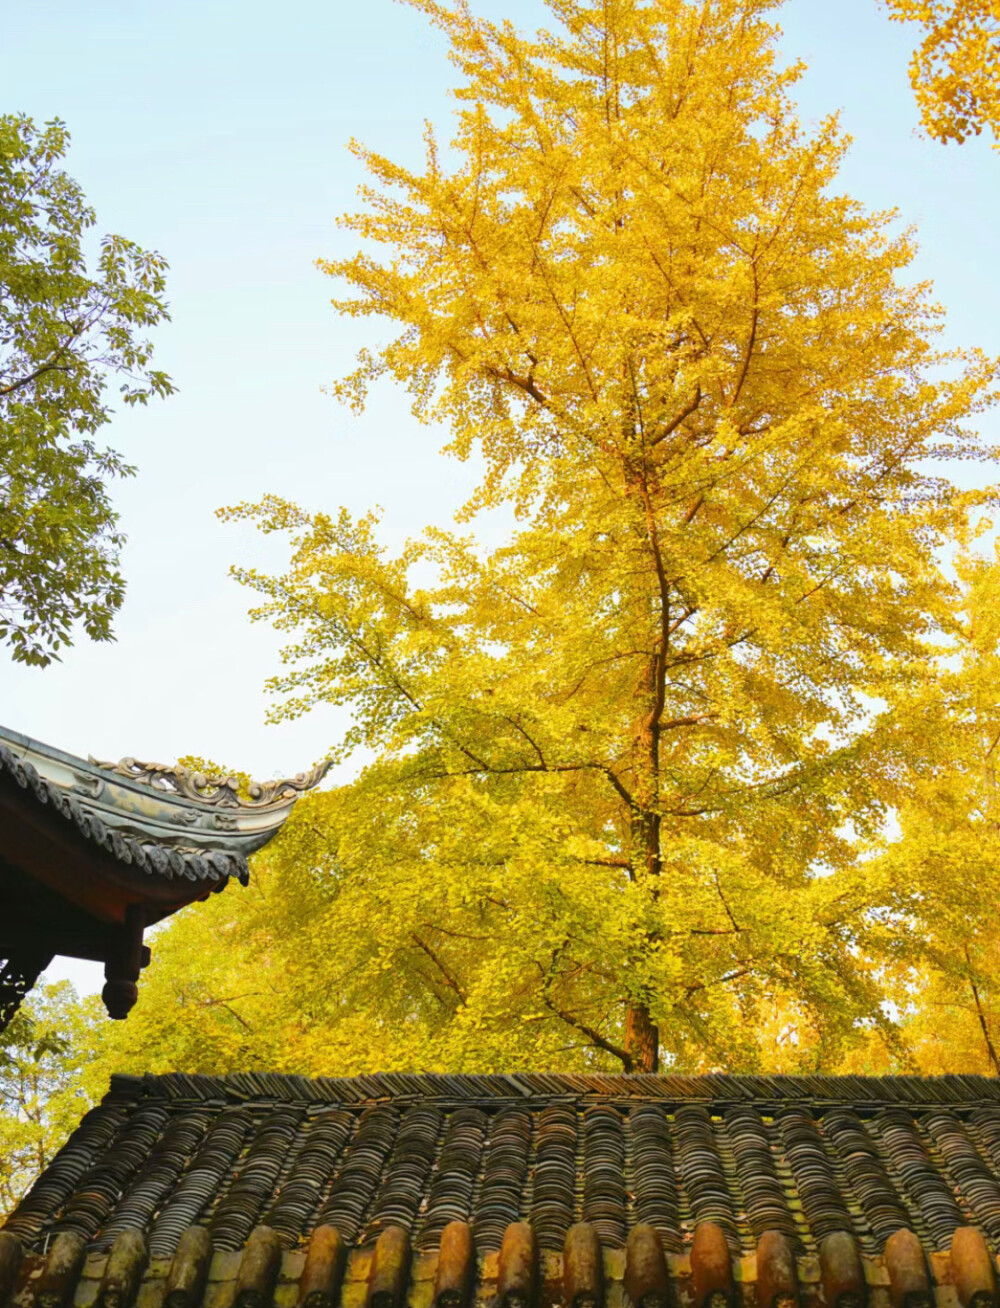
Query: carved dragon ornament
[221, 792]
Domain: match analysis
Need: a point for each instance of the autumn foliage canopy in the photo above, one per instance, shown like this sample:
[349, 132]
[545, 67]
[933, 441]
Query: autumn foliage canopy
[626, 774]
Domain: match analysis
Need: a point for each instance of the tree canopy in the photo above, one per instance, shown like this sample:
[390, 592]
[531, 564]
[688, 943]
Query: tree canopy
[66, 330]
[329, 964]
[622, 763]
[941, 875]
[42, 1096]
[629, 783]
[698, 767]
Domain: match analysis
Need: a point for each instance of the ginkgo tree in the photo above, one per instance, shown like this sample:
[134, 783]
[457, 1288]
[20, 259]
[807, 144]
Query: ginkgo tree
[941, 873]
[618, 762]
[955, 71]
[328, 964]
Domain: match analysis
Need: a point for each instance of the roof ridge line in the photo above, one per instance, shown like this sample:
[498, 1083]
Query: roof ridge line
[522, 1087]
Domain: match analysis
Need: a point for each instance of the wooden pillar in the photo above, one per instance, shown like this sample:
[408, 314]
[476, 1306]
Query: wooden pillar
[124, 963]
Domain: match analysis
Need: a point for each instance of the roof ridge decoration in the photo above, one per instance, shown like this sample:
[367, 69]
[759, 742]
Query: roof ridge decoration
[188, 859]
[217, 790]
[161, 804]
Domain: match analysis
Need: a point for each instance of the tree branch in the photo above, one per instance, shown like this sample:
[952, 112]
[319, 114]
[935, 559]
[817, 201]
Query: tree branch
[672, 426]
[449, 979]
[594, 1036]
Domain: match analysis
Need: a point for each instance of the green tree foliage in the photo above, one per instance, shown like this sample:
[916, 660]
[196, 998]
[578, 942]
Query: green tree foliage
[66, 330]
[42, 1095]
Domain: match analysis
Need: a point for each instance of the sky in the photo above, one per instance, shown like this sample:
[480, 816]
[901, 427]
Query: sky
[215, 131]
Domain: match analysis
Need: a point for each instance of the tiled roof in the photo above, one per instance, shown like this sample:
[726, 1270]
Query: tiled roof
[169, 821]
[373, 1191]
[147, 855]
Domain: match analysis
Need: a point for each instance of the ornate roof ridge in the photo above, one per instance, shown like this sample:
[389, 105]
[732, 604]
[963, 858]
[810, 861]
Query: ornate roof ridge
[149, 856]
[217, 791]
[171, 821]
[91, 854]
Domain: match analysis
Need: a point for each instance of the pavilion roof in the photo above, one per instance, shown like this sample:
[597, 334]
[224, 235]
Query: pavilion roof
[92, 853]
[165, 820]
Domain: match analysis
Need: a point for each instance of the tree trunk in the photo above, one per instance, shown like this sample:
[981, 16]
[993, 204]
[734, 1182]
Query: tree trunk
[642, 1039]
[642, 1036]
[990, 1049]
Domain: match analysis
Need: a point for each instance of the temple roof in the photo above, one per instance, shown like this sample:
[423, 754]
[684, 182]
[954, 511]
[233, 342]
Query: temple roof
[407, 1189]
[91, 854]
[165, 820]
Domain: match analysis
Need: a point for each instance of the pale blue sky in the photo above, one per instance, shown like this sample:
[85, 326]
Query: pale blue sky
[214, 131]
